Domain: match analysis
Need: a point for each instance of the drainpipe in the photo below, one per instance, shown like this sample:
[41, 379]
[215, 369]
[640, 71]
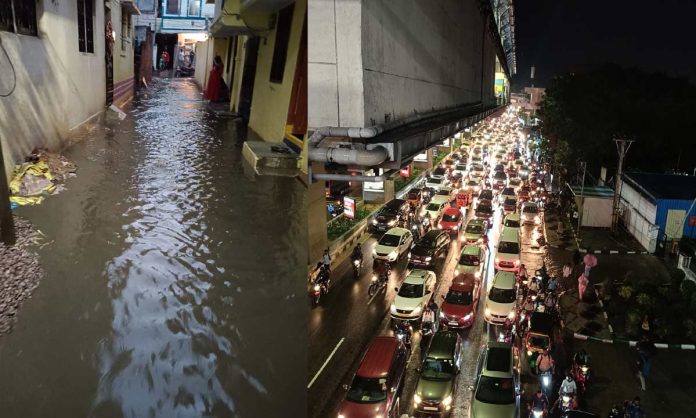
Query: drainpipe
[343, 155]
[348, 177]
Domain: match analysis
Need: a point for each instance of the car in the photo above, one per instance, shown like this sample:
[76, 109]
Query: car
[389, 215]
[427, 250]
[508, 255]
[393, 244]
[439, 172]
[529, 213]
[515, 183]
[471, 260]
[415, 197]
[540, 333]
[451, 220]
[474, 231]
[508, 192]
[485, 194]
[509, 205]
[446, 191]
[476, 159]
[458, 308]
[484, 210]
[460, 169]
[413, 295]
[473, 185]
[523, 195]
[456, 157]
[435, 183]
[512, 222]
[496, 392]
[448, 164]
[476, 171]
[375, 388]
[435, 208]
[502, 299]
[499, 180]
[437, 380]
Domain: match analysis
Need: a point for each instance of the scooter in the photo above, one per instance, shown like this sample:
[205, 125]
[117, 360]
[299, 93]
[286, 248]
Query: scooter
[357, 264]
[403, 331]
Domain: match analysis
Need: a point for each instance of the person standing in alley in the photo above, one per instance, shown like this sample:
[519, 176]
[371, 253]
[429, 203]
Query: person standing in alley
[165, 60]
[590, 261]
[582, 286]
[216, 91]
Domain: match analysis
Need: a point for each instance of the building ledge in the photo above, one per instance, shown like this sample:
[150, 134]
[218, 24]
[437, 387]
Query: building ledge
[130, 7]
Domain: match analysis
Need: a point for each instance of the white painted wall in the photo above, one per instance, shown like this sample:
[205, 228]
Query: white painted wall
[639, 216]
[58, 88]
[368, 58]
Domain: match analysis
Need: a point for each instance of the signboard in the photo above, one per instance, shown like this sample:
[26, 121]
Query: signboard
[373, 186]
[348, 207]
[446, 142]
[406, 171]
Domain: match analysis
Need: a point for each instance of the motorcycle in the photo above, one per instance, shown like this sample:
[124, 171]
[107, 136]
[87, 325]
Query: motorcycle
[357, 264]
[581, 373]
[546, 382]
[403, 331]
[378, 283]
[184, 71]
[537, 412]
[567, 401]
[321, 285]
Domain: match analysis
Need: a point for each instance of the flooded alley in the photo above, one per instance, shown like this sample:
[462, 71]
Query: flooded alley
[172, 276]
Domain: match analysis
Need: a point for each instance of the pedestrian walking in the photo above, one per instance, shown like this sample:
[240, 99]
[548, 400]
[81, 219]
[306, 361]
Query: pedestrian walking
[165, 60]
[582, 286]
[646, 350]
[590, 261]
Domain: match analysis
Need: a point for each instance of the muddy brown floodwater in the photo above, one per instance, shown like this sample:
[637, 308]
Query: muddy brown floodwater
[174, 280]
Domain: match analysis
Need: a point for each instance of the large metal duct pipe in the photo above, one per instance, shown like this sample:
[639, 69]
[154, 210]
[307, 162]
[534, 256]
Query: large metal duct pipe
[349, 156]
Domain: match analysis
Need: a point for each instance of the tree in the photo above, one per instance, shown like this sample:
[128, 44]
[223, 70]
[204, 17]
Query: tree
[582, 113]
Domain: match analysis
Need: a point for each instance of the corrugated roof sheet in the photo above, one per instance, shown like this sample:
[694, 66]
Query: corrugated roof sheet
[593, 191]
[663, 186]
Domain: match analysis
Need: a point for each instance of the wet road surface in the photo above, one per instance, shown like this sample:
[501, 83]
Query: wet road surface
[166, 266]
[345, 316]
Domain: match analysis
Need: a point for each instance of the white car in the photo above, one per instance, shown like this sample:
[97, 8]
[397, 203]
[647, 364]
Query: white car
[460, 169]
[473, 185]
[435, 208]
[529, 214]
[502, 299]
[413, 295]
[508, 256]
[512, 222]
[447, 192]
[435, 183]
[393, 244]
[507, 193]
[476, 171]
[515, 183]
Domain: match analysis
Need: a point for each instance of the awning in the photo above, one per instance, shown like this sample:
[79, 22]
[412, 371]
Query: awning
[130, 7]
[593, 191]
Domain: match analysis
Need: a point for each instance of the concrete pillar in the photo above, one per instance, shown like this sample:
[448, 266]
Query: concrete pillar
[389, 192]
[316, 219]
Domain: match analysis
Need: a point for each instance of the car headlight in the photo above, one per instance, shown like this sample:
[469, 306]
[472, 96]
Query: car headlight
[480, 241]
[316, 287]
[341, 416]
[417, 399]
[417, 310]
[529, 353]
[392, 309]
[409, 254]
[584, 369]
[374, 252]
[356, 262]
[538, 413]
[393, 253]
[467, 317]
[477, 274]
[566, 398]
[487, 311]
[447, 401]
[455, 228]
[511, 315]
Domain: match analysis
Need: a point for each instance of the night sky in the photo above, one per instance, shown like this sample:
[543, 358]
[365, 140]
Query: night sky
[561, 35]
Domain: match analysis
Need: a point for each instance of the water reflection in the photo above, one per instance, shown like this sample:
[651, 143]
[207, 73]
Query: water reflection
[202, 269]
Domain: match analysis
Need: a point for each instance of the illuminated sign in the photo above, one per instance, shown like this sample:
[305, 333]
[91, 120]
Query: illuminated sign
[373, 186]
[348, 207]
[406, 171]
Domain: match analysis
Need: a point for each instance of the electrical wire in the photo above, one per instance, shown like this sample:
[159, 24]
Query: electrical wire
[14, 73]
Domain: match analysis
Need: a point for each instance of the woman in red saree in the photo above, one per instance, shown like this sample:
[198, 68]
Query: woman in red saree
[216, 90]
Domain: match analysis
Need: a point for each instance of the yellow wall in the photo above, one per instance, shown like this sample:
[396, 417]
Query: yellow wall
[123, 58]
[270, 103]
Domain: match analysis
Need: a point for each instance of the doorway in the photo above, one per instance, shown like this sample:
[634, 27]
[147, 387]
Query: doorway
[109, 55]
[248, 77]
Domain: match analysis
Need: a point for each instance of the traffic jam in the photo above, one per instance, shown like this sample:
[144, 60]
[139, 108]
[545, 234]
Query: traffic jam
[461, 314]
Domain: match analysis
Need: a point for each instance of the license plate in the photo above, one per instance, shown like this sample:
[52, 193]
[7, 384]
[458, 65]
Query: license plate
[430, 408]
[453, 323]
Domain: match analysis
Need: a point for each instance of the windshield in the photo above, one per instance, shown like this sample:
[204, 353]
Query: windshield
[387, 212]
[469, 260]
[444, 192]
[510, 202]
[538, 341]
[364, 390]
[433, 207]
[512, 224]
[508, 191]
[455, 297]
[486, 194]
[389, 240]
[484, 207]
[495, 390]
[460, 167]
[474, 229]
[434, 180]
[499, 176]
[409, 290]
[437, 369]
[413, 195]
[529, 209]
[508, 247]
[499, 295]
[426, 242]
[451, 217]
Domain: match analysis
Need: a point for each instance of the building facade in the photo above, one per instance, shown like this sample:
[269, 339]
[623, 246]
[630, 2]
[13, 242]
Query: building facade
[61, 63]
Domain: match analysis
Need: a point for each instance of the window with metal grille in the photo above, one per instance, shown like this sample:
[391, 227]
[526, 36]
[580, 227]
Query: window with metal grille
[172, 7]
[282, 38]
[18, 16]
[125, 29]
[85, 25]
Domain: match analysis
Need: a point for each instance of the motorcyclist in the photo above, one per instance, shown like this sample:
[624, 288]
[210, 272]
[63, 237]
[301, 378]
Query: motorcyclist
[382, 269]
[528, 305]
[568, 386]
[581, 357]
[550, 301]
[522, 274]
[533, 286]
[545, 363]
[357, 253]
[552, 285]
[540, 401]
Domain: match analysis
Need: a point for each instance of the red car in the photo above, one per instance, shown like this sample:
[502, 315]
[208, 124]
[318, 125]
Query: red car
[451, 220]
[459, 305]
[375, 386]
[464, 198]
